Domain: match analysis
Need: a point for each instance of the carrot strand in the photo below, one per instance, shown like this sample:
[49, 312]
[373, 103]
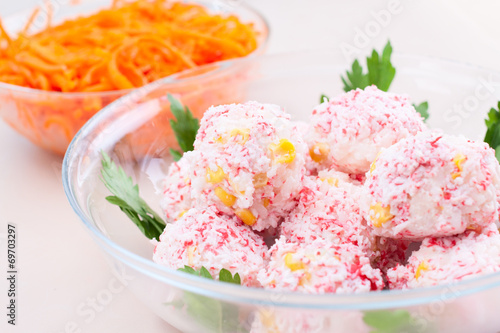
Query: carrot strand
[30, 20]
[48, 6]
[4, 33]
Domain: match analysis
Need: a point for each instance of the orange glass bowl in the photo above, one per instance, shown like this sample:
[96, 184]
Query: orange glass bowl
[51, 119]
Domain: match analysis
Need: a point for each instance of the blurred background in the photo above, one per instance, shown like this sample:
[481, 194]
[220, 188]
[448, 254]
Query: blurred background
[64, 283]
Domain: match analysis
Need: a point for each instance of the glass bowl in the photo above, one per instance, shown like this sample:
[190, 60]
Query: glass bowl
[51, 119]
[459, 97]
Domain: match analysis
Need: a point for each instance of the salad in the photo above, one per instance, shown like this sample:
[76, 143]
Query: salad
[279, 205]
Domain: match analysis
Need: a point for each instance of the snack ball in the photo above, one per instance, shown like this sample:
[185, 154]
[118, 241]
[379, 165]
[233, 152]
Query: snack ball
[432, 185]
[249, 161]
[349, 130]
[319, 267]
[328, 209]
[448, 259]
[204, 237]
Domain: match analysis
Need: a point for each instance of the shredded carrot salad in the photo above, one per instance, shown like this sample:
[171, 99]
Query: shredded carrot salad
[125, 46]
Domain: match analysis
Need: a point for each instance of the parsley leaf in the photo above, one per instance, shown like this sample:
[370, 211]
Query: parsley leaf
[355, 78]
[323, 98]
[126, 196]
[422, 108]
[492, 136]
[381, 72]
[386, 321]
[203, 272]
[225, 276]
[185, 127]
[214, 315]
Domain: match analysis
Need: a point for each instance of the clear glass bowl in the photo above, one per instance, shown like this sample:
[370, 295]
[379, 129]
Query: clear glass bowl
[459, 97]
[51, 119]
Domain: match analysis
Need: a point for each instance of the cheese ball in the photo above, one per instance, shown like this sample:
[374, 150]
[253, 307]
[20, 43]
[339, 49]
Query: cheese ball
[449, 259]
[176, 199]
[249, 162]
[432, 185]
[204, 237]
[328, 209]
[319, 267]
[349, 130]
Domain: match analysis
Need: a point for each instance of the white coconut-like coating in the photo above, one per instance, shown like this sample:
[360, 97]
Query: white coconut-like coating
[349, 130]
[328, 209]
[249, 162]
[432, 185]
[303, 128]
[350, 182]
[449, 259]
[319, 267]
[176, 199]
[204, 237]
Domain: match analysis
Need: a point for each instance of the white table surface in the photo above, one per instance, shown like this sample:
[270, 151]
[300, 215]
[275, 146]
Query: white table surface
[61, 270]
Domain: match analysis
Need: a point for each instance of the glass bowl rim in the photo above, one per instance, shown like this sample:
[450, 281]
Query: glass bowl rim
[123, 92]
[360, 301]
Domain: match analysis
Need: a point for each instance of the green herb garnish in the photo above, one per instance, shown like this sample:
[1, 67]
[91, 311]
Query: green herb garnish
[492, 136]
[203, 272]
[323, 98]
[185, 127]
[224, 274]
[215, 316]
[422, 108]
[385, 321]
[126, 196]
[380, 72]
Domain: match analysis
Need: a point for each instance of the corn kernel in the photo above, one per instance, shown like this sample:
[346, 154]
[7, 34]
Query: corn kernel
[475, 228]
[267, 319]
[214, 177]
[422, 267]
[190, 254]
[246, 216]
[181, 214]
[283, 152]
[226, 198]
[260, 180]
[266, 202]
[458, 160]
[373, 166]
[243, 135]
[319, 152]
[304, 279]
[294, 265]
[331, 181]
[380, 214]
[235, 187]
